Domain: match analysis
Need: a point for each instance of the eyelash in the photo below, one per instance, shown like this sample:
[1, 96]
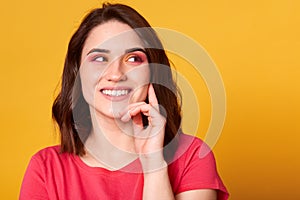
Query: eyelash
[104, 59]
[127, 58]
[136, 57]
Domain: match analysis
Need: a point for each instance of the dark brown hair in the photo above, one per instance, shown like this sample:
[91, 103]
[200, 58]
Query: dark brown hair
[70, 110]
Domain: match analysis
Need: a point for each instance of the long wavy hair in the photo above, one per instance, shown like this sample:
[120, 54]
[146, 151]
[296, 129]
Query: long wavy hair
[71, 112]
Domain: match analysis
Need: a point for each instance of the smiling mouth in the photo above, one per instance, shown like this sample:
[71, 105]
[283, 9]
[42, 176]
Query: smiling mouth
[115, 93]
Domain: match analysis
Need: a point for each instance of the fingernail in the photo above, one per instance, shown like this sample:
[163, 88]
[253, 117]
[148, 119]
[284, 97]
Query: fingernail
[125, 117]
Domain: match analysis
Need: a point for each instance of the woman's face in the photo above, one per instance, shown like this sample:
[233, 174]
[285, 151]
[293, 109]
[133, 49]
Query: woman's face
[114, 69]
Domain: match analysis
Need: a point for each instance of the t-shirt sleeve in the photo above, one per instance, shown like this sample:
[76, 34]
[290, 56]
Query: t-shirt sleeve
[200, 171]
[33, 185]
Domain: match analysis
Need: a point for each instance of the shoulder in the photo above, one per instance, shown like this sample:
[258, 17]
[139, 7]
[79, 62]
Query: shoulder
[194, 167]
[50, 149]
[46, 152]
[50, 160]
[45, 167]
[192, 146]
[184, 138]
[50, 155]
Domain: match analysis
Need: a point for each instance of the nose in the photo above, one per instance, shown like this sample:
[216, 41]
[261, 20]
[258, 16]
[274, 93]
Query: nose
[115, 72]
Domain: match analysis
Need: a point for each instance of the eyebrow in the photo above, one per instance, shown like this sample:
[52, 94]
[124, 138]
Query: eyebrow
[97, 50]
[135, 49]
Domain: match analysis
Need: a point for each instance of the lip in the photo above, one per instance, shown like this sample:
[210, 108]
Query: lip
[120, 93]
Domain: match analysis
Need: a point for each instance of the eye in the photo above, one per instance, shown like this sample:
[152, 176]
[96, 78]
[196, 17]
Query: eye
[100, 59]
[134, 59]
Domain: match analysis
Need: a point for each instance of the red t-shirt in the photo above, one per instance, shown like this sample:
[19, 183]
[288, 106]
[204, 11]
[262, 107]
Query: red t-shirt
[54, 175]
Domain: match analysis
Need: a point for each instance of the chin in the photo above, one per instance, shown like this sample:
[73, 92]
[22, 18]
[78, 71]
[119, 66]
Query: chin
[111, 110]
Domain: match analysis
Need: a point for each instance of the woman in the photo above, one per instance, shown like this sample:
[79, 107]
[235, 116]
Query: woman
[119, 118]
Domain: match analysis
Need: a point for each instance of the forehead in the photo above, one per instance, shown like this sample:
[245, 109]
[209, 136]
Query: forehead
[112, 35]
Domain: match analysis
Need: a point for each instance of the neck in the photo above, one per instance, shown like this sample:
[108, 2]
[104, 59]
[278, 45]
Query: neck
[110, 142]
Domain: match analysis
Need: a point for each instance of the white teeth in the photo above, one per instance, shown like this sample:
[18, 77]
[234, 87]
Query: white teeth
[115, 92]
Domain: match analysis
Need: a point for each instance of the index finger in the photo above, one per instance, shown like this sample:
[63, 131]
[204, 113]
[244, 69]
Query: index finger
[152, 96]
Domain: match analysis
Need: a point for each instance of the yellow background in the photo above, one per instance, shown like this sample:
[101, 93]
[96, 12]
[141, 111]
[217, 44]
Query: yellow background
[254, 43]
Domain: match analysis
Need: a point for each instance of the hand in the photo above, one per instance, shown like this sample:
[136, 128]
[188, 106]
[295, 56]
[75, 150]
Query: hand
[150, 139]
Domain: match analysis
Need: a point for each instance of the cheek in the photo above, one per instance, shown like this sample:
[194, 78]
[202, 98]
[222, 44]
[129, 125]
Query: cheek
[89, 79]
[140, 75]
[139, 94]
[141, 78]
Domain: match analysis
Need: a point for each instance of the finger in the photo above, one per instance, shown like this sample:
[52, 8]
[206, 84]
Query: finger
[144, 108]
[154, 117]
[126, 117]
[129, 107]
[132, 105]
[152, 96]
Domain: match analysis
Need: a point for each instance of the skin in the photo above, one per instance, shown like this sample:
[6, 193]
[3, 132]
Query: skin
[117, 121]
[106, 63]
